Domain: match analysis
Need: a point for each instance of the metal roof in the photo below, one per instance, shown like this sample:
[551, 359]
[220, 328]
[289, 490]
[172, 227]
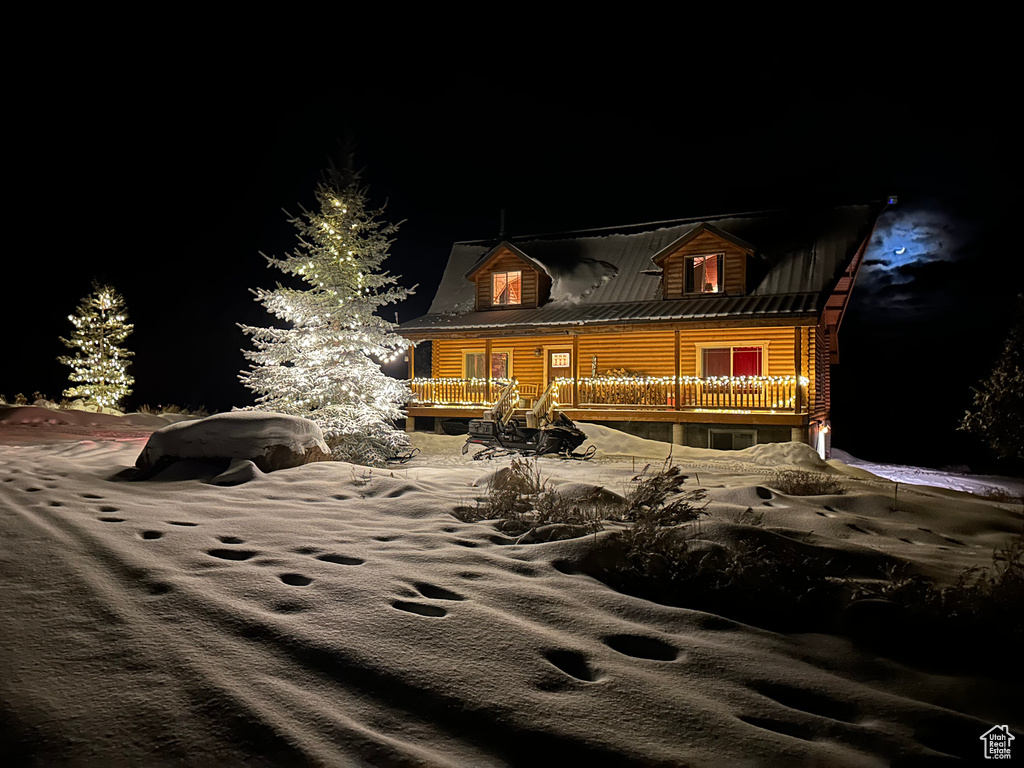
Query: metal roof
[610, 277]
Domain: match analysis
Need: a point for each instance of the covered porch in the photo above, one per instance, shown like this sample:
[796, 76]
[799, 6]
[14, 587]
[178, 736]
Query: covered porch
[637, 395]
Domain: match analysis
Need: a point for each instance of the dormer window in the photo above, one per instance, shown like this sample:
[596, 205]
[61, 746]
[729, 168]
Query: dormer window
[506, 288]
[703, 274]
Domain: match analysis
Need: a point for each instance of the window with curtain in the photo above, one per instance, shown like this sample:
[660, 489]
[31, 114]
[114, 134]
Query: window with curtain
[732, 361]
[476, 365]
[507, 288]
[703, 274]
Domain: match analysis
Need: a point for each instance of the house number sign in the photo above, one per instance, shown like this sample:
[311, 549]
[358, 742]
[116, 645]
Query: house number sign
[559, 359]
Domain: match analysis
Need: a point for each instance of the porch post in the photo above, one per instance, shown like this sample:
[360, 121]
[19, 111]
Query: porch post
[575, 370]
[411, 357]
[487, 365]
[797, 360]
[679, 384]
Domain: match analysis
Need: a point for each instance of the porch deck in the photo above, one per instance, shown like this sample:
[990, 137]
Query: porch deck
[667, 398]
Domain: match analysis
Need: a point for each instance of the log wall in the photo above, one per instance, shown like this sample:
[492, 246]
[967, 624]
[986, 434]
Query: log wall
[651, 353]
[822, 378]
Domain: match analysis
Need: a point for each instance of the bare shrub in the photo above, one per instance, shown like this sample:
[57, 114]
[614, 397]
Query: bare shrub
[979, 613]
[1003, 496]
[797, 482]
[521, 500]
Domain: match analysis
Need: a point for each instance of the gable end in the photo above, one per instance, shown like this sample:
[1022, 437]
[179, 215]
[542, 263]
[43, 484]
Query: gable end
[497, 266]
[704, 241]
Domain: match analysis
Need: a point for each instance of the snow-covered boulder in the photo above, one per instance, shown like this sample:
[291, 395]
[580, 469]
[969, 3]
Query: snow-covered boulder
[269, 440]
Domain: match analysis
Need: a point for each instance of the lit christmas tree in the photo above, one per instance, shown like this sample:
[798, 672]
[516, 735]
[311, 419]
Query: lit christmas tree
[326, 366]
[99, 364]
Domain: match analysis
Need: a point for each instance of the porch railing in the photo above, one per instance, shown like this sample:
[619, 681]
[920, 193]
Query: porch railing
[455, 392]
[740, 393]
[718, 393]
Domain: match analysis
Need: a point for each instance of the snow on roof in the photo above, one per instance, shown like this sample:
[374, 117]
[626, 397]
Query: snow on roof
[612, 276]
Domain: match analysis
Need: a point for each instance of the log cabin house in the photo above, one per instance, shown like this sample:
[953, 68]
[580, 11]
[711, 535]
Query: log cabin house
[716, 332]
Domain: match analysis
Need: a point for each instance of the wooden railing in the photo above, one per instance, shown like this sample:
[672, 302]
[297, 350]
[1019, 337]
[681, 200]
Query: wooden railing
[741, 393]
[544, 408]
[505, 403]
[721, 393]
[455, 392]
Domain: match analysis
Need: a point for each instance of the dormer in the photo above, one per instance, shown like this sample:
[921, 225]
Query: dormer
[706, 261]
[506, 278]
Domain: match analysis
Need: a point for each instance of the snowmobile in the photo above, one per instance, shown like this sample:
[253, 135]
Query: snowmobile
[543, 433]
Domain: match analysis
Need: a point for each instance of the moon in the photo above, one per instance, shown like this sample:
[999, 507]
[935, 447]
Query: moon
[901, 250]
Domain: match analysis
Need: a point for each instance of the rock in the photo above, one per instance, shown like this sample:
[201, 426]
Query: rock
[271, 441]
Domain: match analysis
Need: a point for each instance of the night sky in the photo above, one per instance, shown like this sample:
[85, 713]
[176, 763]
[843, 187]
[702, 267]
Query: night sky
[169, 192]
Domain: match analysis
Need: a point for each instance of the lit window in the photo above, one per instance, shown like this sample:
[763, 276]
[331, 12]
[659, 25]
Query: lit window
[476, 365]
[703, 274]
[731, 361]
[507, 288]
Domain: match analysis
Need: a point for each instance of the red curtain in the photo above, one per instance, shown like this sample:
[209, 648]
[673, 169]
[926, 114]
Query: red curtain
[746, 361]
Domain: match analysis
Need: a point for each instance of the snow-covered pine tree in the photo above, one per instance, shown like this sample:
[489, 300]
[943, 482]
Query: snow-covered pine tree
[998, 413]
[326, 366]
[99, 364]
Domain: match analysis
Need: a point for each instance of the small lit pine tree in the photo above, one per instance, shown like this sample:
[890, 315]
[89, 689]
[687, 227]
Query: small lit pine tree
[326, 366]
[998, 413]
[99, 363]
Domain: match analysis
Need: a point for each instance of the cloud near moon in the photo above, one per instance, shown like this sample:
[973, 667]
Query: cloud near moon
[905, 236]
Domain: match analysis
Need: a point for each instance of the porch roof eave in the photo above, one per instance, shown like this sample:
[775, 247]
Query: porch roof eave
[686, 312]
[540, 329]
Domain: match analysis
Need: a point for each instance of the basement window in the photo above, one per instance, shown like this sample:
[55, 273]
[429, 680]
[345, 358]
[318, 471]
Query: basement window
[507, 288]
[731, 439]
[703, 274]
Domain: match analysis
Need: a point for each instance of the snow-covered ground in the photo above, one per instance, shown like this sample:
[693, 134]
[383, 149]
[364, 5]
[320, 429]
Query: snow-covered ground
[332, 614]
[937, 478]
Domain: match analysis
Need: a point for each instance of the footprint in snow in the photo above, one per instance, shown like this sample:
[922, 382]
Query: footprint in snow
[112, 519]
[231, 554]
[91, 496]
[295, 579]
[422, 609]
[341, 559]
[151, 534]
[571, 663]
[181, 522]
[230, 540]
[433, 592]
[641, 647]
